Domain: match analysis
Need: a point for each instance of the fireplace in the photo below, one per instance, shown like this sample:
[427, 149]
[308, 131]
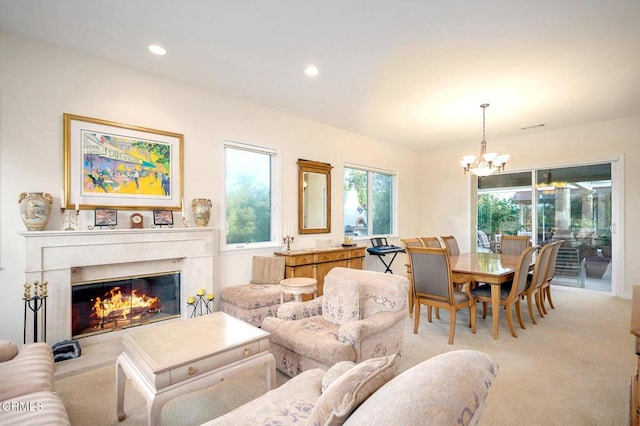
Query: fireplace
[69, 261]
[104, 306]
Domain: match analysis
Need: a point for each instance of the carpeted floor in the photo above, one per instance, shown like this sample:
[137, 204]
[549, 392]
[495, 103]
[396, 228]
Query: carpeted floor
[573, 368]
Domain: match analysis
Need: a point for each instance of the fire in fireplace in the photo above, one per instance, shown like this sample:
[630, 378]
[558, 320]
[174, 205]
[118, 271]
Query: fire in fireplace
[99, 307]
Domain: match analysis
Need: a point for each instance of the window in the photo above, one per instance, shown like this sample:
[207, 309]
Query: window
[362, 217]
[249, 199]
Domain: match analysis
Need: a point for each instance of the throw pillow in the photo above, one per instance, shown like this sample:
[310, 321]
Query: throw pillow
[348, 391]
[340, 300]
[452, 388]
[267, 270]
[8, 350]
[334, 372]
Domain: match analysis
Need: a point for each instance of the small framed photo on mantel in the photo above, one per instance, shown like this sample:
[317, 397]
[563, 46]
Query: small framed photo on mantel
[162, 218]
[105, 218]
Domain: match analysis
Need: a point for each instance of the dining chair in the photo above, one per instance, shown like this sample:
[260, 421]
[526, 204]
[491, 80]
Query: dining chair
[545, 293]
[510, 294]
[450, 243]
[536, 281]
[410, 242]
[433, 242]
[514, 244]
[433, 286]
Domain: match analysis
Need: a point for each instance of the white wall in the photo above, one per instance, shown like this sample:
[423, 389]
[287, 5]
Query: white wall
[447, 189]
[38, 83]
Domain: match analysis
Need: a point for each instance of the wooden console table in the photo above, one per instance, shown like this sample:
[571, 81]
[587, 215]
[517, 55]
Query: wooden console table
[635, 330]
[316, 263]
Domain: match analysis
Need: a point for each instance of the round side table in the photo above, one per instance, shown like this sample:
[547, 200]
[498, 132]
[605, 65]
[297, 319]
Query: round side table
[298, 286]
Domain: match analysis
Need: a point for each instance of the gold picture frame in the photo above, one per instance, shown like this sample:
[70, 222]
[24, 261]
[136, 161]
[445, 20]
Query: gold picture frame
[121, 166]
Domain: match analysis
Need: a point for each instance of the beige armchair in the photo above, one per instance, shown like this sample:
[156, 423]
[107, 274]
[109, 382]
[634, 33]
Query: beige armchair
[360, 316]
[260, 298]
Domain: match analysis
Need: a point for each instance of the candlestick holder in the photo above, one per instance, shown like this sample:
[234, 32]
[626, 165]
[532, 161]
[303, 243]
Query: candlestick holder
[201, 305]
[36, 303]
[288, 240]
[70, 218]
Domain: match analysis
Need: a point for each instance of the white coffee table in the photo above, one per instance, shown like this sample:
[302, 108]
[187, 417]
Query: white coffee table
[297, 287]
[170, 359]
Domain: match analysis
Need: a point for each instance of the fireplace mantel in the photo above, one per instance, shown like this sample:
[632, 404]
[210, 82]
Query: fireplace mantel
[60, 257]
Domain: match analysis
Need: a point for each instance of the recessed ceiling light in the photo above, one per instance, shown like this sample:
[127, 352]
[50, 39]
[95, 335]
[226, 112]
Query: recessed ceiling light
[311, 71]
[157, 49]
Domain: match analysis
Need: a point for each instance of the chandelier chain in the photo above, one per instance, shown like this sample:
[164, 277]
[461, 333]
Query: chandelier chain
[484, 110]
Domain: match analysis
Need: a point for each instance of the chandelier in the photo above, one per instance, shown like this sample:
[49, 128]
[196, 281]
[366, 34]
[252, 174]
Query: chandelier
[488, 162]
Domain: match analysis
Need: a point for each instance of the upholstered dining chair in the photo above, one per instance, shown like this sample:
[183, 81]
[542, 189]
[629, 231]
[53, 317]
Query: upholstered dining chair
[450, 243]
[545, 293]
[510, 295]
[536, 281]
[411, 242]
[432, 242]
[433, 286]
[514, 244]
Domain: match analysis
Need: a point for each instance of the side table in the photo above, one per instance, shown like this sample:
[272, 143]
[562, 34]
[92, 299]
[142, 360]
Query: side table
[297, 287]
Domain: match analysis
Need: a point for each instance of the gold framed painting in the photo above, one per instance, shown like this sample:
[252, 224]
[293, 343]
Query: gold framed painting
[121, 166]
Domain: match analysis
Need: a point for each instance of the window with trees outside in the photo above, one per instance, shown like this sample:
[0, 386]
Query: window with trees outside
[369, 201]
[249, 200]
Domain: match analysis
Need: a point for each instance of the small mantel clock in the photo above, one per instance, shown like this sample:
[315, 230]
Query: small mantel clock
[136, 220]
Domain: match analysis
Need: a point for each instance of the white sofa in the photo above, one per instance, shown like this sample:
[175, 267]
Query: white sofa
[27, 386]
[448, 389]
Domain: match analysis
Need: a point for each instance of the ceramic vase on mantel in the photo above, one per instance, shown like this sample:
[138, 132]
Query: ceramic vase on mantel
[201, 209]
[35, 208]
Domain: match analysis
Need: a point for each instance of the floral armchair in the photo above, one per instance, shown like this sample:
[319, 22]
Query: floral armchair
[360, 316]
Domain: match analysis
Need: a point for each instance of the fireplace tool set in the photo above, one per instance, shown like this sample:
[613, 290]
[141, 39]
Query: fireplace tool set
[36, 303]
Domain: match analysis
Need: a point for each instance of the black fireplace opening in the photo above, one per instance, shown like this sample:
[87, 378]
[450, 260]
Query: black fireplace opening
[99, 307]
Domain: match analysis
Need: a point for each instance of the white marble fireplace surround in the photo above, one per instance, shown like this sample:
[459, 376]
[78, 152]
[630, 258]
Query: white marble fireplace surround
[64, 258]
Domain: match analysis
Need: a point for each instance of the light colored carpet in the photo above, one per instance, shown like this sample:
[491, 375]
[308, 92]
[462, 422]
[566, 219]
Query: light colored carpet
[573, 368]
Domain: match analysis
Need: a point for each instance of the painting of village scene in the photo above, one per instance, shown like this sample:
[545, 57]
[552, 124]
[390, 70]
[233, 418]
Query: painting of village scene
[121, 166]
[125, 166]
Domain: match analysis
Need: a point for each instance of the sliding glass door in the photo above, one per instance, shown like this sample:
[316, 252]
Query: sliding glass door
[573, 204]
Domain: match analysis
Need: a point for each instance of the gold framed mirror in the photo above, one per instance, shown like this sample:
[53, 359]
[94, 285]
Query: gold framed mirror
[314, 197]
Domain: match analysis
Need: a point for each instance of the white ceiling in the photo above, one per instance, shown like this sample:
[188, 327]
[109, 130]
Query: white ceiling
[407, 72]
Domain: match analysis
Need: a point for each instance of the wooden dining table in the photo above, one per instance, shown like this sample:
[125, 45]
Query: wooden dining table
[490, 268]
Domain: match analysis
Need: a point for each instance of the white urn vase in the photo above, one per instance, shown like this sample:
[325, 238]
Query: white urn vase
[35, 208]
[201, 209]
